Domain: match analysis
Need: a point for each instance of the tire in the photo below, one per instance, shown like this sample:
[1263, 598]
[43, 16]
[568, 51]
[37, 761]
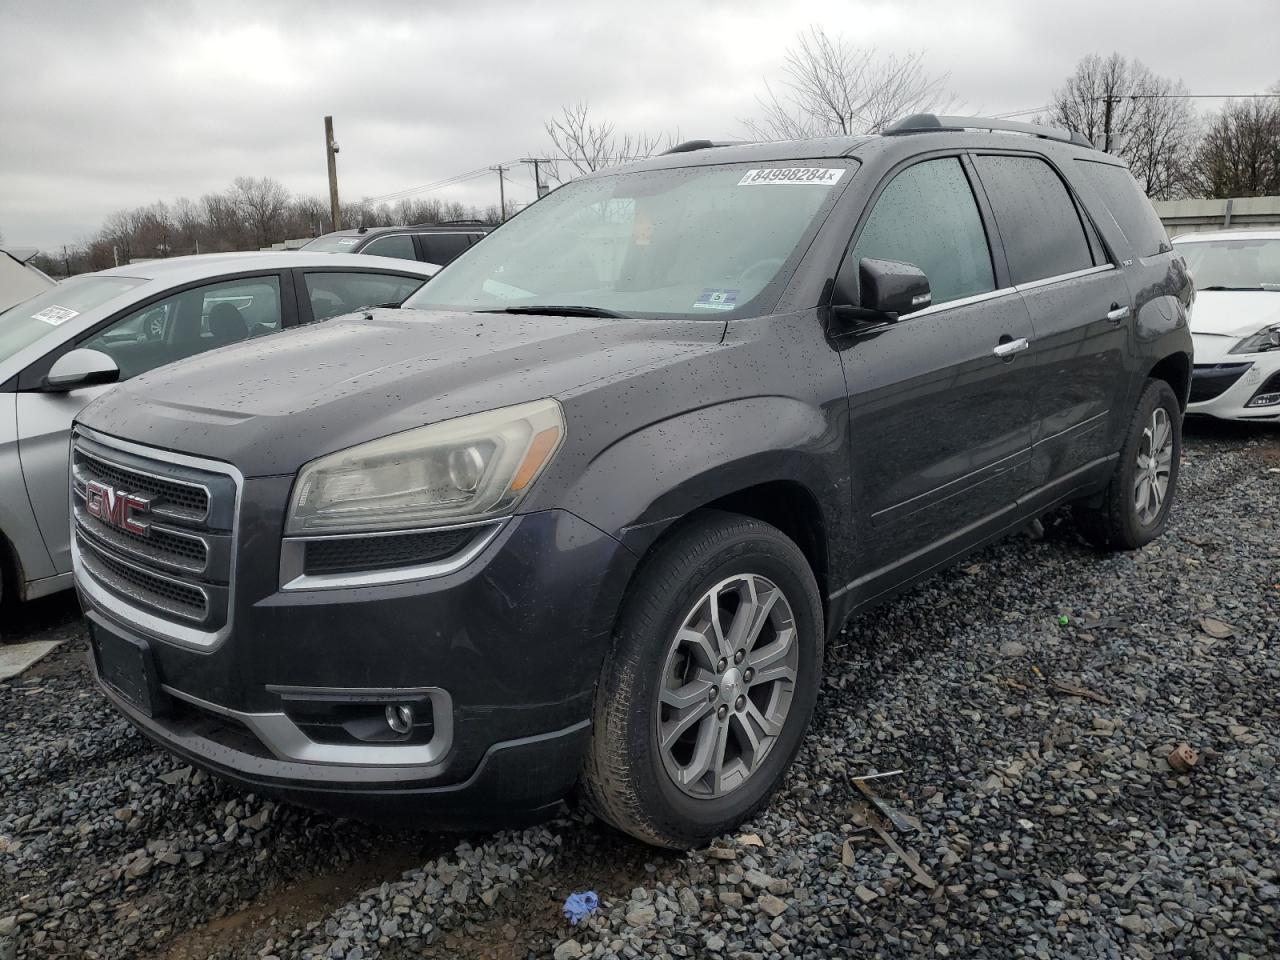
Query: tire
[628, 779]
[1118, 523]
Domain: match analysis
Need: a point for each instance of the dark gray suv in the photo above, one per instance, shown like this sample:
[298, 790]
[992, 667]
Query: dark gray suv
[584, 511]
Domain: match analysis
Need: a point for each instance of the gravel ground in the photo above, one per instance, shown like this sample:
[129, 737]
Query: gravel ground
[1038, 814]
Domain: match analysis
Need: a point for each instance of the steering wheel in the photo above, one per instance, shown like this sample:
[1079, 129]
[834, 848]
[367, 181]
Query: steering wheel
[772, 264]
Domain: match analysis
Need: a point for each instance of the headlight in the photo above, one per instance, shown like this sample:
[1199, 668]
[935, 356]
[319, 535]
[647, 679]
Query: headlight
[470, 468]
[1268, 338]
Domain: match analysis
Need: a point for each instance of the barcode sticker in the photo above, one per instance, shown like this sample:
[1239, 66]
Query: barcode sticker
[822, 177]
[55, 316]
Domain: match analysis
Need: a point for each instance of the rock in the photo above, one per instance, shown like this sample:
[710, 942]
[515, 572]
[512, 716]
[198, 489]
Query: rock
[731, 898]
[771, 905]
[568, 950]
[643, 915]
[865, 894]
[715, 943]
[8, 925]
[1012, 648]
[138, 868]
[1134, 923]
[689, 903]
[1075, 878]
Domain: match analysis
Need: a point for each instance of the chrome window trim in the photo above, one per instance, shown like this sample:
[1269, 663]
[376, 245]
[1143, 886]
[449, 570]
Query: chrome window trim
[293, 557]
[283, 738]
[159, 627]
[962, 302]
[1074, 274]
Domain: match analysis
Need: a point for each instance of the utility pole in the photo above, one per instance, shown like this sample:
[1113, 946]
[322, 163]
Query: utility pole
[331, 155]
[502, 192]
[540, 188]
[66, 263]
[1107, 103]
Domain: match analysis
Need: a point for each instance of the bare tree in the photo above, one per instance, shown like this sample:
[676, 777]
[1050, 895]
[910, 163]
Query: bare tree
[1240, 153]
[261, 203]
[1125, 109]
[831, 87]
[585, 145]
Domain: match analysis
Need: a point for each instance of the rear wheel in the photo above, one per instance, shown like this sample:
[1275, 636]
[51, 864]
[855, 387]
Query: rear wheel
[707, 692]
[1135, 506]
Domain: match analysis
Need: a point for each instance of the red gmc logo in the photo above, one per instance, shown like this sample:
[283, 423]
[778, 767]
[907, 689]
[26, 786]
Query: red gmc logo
[116, 508]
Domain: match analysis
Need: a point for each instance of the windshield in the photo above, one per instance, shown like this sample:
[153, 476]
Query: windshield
[696, 242]
[1247, 264]
[332, 243]
[25, 323]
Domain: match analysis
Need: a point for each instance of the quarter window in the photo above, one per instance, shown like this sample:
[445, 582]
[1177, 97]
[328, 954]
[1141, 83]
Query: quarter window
[189, 323]
[1037, 218]
[928, 217]
[332, 294]
[1129, 207]
[398, 245]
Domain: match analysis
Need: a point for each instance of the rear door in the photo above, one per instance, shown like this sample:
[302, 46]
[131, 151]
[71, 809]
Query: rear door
[1080, 309]
[940, 425]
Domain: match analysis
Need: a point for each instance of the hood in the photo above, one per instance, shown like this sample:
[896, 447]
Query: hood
[1234, 313]
[272, 404]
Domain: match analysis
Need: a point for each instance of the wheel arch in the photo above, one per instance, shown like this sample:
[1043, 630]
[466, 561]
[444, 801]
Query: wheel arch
[1175, 370]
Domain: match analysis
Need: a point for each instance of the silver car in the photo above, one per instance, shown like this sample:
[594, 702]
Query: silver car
[65, 346]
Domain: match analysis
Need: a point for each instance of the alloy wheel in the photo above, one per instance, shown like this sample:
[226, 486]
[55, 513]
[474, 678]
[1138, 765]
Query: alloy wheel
[1155, 460]
[727, 685]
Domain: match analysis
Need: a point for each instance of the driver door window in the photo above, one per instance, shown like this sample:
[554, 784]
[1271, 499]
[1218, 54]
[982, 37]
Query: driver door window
[189, 323]
[927, 216]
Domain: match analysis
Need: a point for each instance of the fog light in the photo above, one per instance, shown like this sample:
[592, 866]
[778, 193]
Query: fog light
[1264, 400]
[400, 717]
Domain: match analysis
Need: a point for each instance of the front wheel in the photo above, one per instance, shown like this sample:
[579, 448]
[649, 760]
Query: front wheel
[1135, 506]
[710, 684]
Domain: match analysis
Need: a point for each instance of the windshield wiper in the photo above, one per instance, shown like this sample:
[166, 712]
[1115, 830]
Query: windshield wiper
[563, 310]
[1218, 286]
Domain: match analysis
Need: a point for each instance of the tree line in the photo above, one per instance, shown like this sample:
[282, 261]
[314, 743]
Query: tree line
[828, 86]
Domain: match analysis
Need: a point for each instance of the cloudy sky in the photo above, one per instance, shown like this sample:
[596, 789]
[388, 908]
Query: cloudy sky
[106, 106]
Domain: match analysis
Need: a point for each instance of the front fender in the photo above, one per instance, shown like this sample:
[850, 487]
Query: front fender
[644, 481]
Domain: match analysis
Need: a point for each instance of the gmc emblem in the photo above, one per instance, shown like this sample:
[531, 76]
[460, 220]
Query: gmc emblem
[116, 508]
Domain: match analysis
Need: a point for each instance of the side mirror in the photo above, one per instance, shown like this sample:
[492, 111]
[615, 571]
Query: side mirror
[886, 290]
[81, 368]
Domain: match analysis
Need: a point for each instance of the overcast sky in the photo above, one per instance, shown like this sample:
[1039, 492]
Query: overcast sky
[106, 106]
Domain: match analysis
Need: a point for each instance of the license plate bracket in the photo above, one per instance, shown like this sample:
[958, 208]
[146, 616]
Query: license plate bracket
[127, 665]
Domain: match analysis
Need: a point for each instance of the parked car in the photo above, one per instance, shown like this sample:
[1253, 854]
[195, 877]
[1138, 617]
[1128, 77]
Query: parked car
[18, 278]
[62, 348]
[588, 507]
[1235, 323]
[436, 243]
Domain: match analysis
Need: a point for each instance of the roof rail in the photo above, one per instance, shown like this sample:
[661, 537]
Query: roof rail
[449, 223]
[690, 145]
[930, 123]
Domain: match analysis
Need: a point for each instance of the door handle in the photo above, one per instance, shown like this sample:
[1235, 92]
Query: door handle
[1007, 349]
[1117, 313]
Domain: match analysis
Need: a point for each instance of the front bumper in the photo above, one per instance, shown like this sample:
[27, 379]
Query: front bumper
[505, 652]
[1246, 377]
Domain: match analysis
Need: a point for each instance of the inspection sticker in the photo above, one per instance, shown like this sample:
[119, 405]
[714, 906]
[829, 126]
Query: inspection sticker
[348, 241]
[821, 176]
[716, 298]
[55, 316]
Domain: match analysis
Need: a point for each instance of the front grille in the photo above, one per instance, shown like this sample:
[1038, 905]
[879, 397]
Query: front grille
[180, 568]
[1208, 380]
[360, 554]
[179, 498]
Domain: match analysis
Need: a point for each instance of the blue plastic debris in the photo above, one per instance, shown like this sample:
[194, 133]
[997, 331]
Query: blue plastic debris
[579, 906]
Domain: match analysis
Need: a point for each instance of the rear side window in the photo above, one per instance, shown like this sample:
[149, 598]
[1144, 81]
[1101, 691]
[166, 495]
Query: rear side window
[1037, 218]
[442, 247]
[927, 217]
[1129, 207]
[334, 293]
[398, 245]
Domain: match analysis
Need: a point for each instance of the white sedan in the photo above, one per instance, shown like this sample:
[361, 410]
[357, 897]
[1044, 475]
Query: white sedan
[1235, 323]
[65, 346]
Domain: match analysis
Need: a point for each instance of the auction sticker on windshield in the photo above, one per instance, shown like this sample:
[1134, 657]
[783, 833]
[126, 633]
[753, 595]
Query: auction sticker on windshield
[716, 298]
[55, 316]
[812, 175]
